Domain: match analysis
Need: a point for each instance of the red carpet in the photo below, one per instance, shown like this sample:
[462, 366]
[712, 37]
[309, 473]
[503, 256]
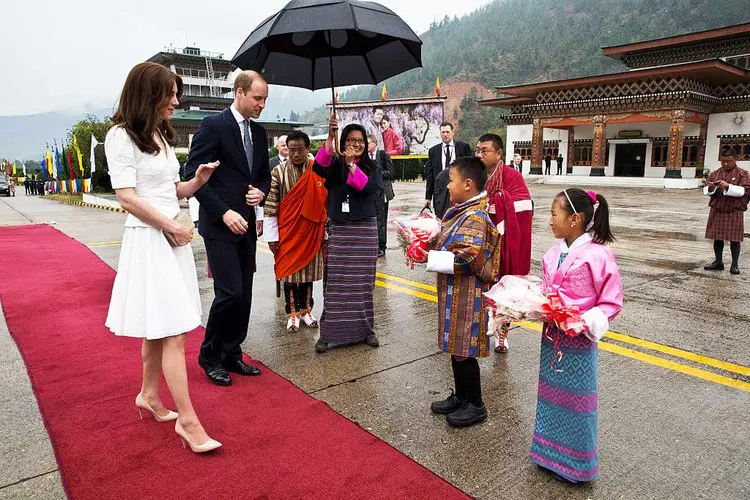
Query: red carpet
[278, 442]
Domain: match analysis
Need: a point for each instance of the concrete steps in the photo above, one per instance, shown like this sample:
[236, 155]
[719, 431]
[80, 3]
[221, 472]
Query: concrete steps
[625, 182]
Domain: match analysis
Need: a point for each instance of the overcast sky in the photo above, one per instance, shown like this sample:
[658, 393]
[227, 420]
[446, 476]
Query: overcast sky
[75, 55]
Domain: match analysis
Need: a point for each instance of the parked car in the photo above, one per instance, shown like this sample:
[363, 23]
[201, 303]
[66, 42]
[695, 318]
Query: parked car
[4, 188]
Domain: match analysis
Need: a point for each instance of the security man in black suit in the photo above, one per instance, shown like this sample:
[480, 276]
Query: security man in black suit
[385, 194]
[227, 220]
[441, 156]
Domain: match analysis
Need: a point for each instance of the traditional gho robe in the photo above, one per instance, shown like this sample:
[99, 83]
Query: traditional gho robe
[512, 211]
[467, 260]
[295, 215]
[565, 432]
[726, 220]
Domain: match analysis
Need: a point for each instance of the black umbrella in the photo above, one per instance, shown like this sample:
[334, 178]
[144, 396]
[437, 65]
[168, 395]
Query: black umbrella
[316, 44]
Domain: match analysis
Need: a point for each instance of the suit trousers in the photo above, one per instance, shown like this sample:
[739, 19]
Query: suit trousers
[232, 266]
[382, 221]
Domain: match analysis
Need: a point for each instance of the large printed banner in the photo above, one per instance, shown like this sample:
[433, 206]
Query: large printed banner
[401, 127]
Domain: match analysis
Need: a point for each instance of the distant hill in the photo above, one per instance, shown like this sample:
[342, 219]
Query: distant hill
[24, 137]
[511, 42]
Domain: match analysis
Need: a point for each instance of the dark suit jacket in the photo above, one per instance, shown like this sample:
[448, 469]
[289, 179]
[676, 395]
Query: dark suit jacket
[435, 163]
[385, 164]
[219, 138]
[274, 162]
[442, 200]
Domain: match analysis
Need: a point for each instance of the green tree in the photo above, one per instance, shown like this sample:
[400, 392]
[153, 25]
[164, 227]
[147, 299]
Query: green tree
[83, 130]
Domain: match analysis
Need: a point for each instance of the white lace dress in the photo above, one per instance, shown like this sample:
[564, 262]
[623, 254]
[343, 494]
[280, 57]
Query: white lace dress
[155, 294]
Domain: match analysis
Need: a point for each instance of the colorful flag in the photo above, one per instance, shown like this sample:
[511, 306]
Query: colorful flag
[78, 154]
[437, 86]
[44, 167]
[23, 165]
[14, 169]
[94, 142]
[71, 170]
[58, 166]
[384, 93]
[50, 164]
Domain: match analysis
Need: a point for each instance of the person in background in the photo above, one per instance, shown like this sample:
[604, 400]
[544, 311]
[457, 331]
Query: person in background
[559, 164]
[440, 157]
[283, 153]
[729, 189]
[518, 163]
[548, 164]
[384, 164]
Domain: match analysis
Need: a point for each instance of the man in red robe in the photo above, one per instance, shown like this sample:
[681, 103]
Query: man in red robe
[511, 209]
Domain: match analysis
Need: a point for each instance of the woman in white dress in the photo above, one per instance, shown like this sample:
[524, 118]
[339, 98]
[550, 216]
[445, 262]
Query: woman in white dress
[155, 295]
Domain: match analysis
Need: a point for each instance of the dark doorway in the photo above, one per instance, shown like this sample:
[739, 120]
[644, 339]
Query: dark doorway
[630, 160]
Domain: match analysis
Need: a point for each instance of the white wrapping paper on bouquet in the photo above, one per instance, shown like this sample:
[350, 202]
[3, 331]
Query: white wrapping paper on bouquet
[514, 298]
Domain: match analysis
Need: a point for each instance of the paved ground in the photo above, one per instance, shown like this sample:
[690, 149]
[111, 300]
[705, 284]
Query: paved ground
[674, 380]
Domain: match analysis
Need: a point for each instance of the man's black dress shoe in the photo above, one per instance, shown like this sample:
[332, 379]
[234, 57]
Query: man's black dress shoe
[215, 372]
[735, 269]
[714, 266]
[241, 367]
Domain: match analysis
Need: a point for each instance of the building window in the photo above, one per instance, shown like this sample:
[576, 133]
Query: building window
[522, 148]
[660, 151]
[582, 152]
[738, 143]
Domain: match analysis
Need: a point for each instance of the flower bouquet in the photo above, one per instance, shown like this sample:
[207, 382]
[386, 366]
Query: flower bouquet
[417, 234]
[518, 298]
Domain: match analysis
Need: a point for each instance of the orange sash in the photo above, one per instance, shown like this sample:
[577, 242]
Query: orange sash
[302, 217]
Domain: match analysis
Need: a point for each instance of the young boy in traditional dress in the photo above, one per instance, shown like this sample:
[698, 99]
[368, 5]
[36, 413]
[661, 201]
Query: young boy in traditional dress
[467, 260]
[582, 270]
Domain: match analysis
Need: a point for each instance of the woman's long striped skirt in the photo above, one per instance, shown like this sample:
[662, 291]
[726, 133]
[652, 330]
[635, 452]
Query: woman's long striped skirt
[565, 432]
[349, 283]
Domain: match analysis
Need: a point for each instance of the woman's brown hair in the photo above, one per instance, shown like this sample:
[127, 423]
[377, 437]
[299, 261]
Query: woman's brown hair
[147, 89]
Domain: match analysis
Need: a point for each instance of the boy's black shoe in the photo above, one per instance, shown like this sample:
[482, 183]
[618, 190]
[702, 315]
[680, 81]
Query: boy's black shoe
[714, 266]
[467, 415]
[447, 405]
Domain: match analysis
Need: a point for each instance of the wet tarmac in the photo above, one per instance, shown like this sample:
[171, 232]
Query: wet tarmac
[674, 382]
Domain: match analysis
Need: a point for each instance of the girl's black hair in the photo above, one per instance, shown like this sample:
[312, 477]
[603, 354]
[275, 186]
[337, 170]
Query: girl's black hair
[365, 163]
[600, 230]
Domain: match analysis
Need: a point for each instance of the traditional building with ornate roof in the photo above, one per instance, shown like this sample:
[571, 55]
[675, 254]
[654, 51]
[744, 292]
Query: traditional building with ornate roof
[666, 119]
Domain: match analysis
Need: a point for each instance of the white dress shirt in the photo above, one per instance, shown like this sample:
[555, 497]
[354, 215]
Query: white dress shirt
[240, 119]
[452, 146]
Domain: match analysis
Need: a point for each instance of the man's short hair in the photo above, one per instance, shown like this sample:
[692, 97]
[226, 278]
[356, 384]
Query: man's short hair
[371, 137]
[471, 167]
[496, 140]
[298, 135]
[245, 80]
[730, 152]
[282, 139]
[375, 110]
[446, 124]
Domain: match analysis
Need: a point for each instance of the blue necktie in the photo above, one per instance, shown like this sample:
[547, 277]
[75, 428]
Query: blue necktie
[248, 143]
[562, 258]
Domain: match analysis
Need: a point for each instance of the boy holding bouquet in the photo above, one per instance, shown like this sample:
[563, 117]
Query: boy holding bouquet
[466, 257]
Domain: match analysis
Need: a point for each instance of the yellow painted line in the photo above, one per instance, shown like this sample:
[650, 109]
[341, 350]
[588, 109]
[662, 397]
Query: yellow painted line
[421, 295]
[416, 284]
[605, 346]
[679, 353]
[655, 360]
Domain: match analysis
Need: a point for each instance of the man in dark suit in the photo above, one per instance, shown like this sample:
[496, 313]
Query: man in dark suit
[547, 164]
[440, 156]
[385, 194]
[283, 152]
[227, 210]
[559, 164]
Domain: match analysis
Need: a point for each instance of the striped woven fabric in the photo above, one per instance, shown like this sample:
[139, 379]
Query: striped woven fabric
[349, 282]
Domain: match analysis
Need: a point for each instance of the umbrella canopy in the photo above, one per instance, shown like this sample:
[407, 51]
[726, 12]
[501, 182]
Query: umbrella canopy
[317, 44]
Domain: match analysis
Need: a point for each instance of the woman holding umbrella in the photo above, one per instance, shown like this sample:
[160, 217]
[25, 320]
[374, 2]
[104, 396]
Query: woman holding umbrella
[353, 181]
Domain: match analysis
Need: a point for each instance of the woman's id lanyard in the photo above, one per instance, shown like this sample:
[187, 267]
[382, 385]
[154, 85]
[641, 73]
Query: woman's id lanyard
[345, 205]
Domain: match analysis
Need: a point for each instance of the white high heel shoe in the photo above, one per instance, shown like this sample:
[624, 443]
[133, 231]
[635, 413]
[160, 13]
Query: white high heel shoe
[142, 404]
[209, 445]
